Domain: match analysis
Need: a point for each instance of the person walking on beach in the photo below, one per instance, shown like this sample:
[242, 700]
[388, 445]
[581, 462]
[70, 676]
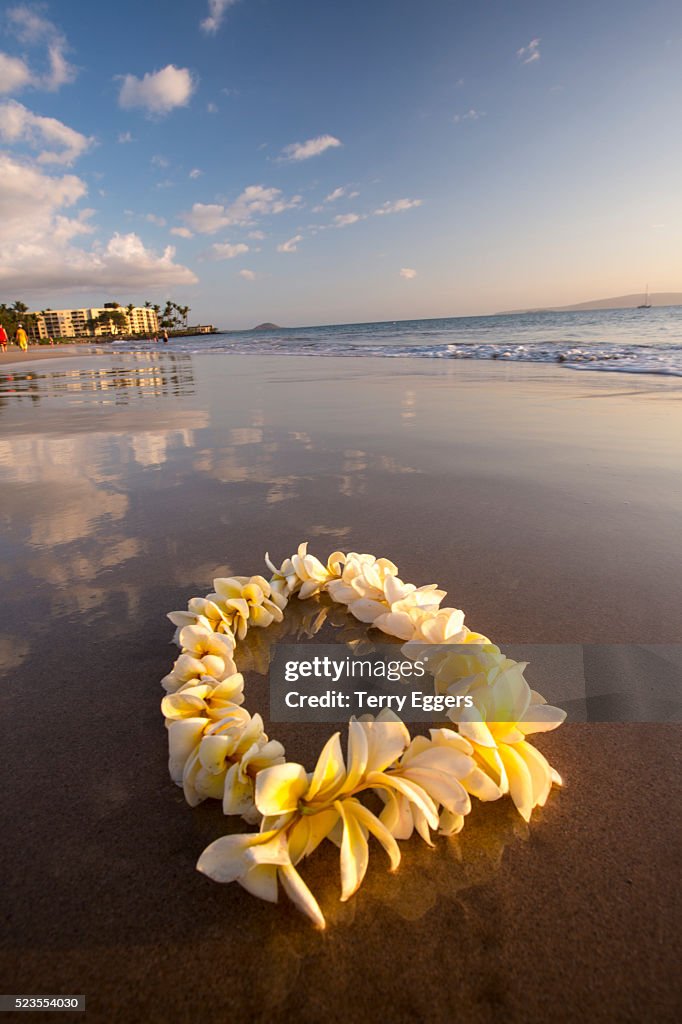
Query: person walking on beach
[3, 338]
[21, 338]
[164, 335]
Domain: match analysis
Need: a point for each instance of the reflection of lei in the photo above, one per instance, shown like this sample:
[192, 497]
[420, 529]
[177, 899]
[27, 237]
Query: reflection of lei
[217, 749]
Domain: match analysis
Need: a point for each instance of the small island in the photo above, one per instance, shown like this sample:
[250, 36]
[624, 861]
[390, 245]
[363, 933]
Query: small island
[267, 327]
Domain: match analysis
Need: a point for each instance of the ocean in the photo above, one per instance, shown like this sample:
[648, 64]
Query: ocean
[625, 340]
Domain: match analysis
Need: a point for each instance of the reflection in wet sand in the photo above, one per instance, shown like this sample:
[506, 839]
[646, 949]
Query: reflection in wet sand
[80, 508]
[149, 373]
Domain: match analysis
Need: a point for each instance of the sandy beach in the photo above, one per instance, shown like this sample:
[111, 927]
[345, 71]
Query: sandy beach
[39, 352]
[547, 502]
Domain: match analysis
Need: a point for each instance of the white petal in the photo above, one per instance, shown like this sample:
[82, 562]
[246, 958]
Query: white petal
[330, 769]
[300, 895]
[354, 850]
[183, 738]
[279, 789]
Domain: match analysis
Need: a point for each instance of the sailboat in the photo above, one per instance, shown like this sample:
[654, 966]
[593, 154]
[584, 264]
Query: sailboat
[646, 304]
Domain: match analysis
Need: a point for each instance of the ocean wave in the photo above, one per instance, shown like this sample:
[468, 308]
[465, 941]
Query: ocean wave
[614, 340]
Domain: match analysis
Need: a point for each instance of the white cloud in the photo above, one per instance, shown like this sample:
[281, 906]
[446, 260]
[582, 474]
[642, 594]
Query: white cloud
[398, 206]
[342, 220]
[212, 108]
[291, 245]
[258, 235]
[182, 232]
[195, 173]
[159, 161]
[248, 275]
[61, 72]
[336, 194]
[527, 54]
[152, 218]
[158, 92]
[408, 273]
[14, 73]
[18, 124]
[31, 28]
[313, 147]
[39, 229]
[216, 13]
[207, 218]
[471, 115]
[124, 137]
[227, 251]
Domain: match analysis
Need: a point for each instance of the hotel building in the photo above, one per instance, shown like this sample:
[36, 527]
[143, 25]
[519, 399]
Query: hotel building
[76, 323]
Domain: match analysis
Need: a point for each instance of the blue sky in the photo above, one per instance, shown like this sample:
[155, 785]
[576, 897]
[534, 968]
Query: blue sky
[308, 162]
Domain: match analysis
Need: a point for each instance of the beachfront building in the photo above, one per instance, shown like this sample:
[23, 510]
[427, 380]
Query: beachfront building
[82, 323]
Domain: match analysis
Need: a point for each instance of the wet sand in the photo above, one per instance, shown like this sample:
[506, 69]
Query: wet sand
[36, 353]
[546, 502]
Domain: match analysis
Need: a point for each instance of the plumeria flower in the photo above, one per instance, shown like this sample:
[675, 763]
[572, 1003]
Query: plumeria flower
[363, 576]
[202, 612]
[504, 713]
[413, 619]
[477, 782]
[258, 861]
[313, 574]
[304, 574]
[203, 654]
[238, 792]
[285, 580]
[465, 668]
[428, 776]
[247, 601]
[186, 732]
[207, 698]
[452, 659]
[224, 764]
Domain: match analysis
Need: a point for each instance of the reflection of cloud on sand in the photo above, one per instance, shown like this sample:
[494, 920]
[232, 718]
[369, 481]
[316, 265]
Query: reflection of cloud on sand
[226, 466]
[329, 531]
[151, 447]
[79, 477]
[246, 435]
[67, 568]
[74, 512]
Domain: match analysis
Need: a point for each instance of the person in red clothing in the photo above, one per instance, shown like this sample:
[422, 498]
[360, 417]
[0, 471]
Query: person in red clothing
[3, 338]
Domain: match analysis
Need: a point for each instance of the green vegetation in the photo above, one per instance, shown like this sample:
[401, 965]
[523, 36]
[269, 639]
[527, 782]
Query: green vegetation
[173, 317]
[17, 313]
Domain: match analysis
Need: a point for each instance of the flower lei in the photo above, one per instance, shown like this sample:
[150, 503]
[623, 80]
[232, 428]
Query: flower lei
[218, 750]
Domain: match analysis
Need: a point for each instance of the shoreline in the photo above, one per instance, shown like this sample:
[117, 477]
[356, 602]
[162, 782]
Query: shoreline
[39, 352]
[458, 366]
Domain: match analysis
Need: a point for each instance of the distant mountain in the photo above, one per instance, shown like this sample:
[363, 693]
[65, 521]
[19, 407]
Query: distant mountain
[617, 302]
[267, 327]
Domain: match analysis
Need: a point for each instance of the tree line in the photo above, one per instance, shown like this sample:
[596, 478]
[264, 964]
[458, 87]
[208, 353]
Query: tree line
[12, 316]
